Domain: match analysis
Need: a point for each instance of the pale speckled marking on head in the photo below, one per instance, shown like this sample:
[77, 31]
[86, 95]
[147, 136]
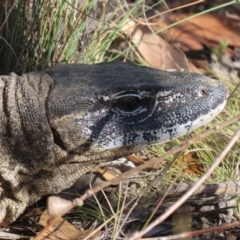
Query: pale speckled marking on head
[138, 139]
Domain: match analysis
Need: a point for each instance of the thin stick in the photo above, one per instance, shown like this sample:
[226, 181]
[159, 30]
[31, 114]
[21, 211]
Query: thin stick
[178, 203]
[154, 162]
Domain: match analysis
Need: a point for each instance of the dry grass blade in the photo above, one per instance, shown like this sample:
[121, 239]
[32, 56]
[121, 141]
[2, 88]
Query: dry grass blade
[224, 190]
[199, 232]
[36, 34]
[178, 203]
[154, 162]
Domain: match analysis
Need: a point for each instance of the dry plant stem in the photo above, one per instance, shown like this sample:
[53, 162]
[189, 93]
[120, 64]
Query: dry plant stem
[117, 224]
[154, 162]
[99, 228]
[199, 232]
[129, 212]
[42, 234]
[89, 16]
[98, 203]
[223, 190]
[174, 9]
[188, 194]
[116, 215]
[161, 200]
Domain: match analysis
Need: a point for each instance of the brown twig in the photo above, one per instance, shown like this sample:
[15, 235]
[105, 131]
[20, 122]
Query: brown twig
[199, 232]
[225, 189]
[154, 162]
[178, 203]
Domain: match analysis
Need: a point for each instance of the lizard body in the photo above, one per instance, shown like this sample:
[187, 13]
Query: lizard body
[58, 124]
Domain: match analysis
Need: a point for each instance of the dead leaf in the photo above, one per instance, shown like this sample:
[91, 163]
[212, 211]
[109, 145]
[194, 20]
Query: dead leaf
[107, 173]
[135, 159]
[155, 50]
[205, 30]
[189, 163]
[58, 228]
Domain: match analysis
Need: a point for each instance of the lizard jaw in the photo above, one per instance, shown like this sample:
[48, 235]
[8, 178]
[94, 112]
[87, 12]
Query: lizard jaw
[164, 135]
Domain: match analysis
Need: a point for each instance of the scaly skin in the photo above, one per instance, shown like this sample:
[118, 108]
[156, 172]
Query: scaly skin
[56, 125]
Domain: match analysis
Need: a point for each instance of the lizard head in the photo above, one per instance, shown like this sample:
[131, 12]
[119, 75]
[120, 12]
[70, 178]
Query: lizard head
[121, 107]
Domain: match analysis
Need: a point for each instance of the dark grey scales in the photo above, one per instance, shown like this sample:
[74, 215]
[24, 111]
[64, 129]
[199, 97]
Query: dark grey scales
[58, 124]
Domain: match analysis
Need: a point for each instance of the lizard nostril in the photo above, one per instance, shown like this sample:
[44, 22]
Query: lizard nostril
[202, 93]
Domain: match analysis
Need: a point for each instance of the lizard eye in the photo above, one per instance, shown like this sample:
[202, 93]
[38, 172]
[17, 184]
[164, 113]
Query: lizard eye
[129, 103]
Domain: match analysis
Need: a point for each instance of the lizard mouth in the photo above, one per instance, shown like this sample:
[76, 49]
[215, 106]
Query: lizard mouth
[181, 130]
[163, 135]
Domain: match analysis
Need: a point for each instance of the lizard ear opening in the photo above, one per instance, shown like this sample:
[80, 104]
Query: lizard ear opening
[57, 139]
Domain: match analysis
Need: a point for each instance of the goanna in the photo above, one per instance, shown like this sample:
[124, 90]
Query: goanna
[57, 124]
